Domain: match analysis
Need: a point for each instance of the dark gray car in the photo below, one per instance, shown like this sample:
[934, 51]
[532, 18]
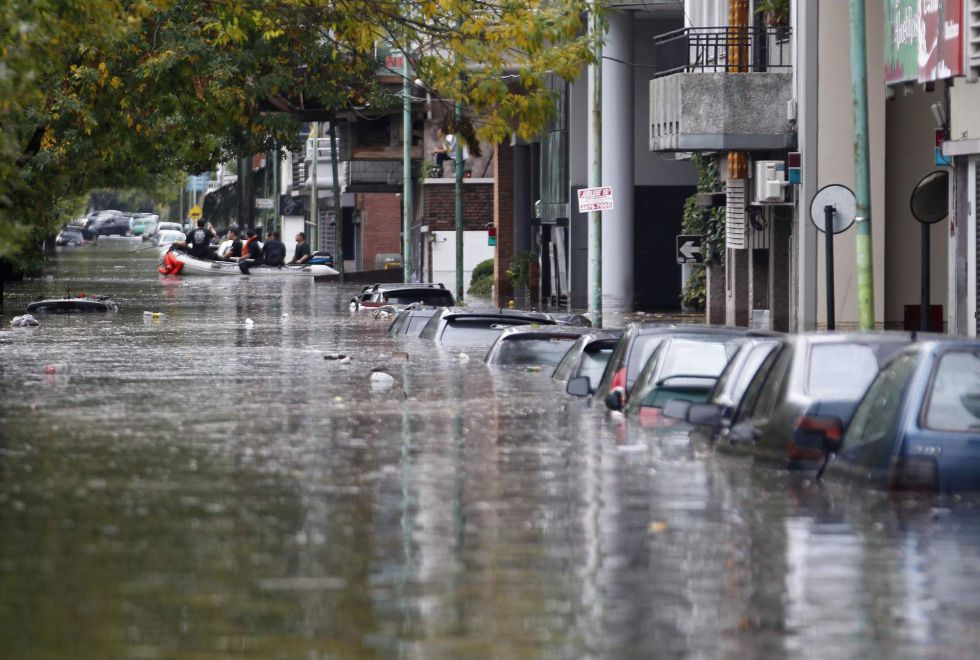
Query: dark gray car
[456, 327]
[587, 358]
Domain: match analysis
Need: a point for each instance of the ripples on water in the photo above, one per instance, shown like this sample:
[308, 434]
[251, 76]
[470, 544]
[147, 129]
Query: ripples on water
[189, 486]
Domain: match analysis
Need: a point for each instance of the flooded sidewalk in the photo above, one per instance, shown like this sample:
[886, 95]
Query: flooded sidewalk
[188, 484]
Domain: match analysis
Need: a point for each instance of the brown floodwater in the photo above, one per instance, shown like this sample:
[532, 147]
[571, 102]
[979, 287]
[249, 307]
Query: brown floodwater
[190, 485]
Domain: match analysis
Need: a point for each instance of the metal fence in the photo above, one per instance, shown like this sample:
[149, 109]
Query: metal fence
[723, 49]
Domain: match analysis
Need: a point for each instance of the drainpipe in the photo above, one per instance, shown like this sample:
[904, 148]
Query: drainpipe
[862, 174]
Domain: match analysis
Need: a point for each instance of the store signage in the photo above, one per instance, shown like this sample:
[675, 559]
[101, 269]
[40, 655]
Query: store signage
[923, 40]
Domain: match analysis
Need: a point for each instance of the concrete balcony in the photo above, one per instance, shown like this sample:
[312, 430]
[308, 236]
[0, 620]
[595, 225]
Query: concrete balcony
[722, 89]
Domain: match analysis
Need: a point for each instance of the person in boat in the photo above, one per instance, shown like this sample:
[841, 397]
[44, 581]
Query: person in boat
[234, 252]
[251, 251]
[274, 250]
[198, 241]
[302, 253]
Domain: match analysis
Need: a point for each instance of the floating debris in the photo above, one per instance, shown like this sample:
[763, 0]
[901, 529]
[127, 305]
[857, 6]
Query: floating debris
[25, 321]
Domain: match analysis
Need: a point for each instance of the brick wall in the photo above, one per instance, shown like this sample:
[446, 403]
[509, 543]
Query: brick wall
[503, 218]
[439, 206]
[381, 225]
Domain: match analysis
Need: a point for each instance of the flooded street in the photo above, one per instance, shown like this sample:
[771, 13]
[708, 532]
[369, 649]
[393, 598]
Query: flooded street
[189, 485]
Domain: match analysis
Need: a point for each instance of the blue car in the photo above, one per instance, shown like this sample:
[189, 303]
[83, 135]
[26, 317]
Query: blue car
[917, 427]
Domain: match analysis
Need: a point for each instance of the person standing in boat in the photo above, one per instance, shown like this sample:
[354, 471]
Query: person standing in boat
[198, 241]
[274, 250]
[302, 253]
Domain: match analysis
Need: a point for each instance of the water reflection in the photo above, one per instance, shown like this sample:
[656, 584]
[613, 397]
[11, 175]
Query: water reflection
[189, 485]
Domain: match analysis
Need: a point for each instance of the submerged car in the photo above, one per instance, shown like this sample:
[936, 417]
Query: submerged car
[809, 383]
[634, 349]
[410, 321]
[70, 236]
[533, 345]
[680, 369]
[587, 358]
[456, 327]
[917, 428]
[398, 295]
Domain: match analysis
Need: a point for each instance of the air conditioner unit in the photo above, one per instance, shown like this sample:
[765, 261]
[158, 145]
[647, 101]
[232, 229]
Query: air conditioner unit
[770, 181]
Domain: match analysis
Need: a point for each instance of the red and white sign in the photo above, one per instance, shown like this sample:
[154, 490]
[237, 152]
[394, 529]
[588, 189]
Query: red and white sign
[595, 199]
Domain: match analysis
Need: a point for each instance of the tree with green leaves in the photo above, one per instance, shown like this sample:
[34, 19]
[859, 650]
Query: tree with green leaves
[116, 93]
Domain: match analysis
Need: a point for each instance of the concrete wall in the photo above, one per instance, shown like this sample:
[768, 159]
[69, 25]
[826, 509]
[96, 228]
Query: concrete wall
[965, 111]
[475, 250]
[910, 143]
[836, 151]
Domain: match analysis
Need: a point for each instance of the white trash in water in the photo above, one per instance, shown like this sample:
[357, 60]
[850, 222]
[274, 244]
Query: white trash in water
[381, 381]
[249, 323]
[463, 357]
[25, 321]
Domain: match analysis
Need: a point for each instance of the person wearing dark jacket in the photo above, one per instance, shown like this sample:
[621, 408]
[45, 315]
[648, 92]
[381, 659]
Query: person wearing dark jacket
[251, 252]
[302, 253]
[274, 250]
[198, 241]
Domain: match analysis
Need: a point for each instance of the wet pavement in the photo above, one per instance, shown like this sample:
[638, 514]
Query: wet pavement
[188, 485]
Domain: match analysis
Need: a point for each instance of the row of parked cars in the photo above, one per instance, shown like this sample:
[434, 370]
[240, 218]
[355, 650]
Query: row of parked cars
[110, 223]
[889, 410]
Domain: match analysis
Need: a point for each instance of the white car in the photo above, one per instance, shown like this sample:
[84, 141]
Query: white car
[168, 236]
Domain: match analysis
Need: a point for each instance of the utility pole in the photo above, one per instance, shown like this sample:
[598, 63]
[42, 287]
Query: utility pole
[338, 210]
[275, 189]
[407, 201]
[862, 173]
[314, 192]
[595, 171]
[458, 169]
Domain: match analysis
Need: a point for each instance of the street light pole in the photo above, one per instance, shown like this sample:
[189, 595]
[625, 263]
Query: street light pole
[338, 209]
[459, 203]
[407, 202]
[314, 211]
[862, 173]
[595, 172]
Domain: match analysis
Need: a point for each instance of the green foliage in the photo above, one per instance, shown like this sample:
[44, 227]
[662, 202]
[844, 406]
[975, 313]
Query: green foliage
[710, 223]
[520, 268]
[481, 282]
[778, 10]
[117, 93]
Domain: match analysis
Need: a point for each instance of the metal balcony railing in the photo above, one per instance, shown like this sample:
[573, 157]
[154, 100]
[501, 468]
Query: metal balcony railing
[723, 50]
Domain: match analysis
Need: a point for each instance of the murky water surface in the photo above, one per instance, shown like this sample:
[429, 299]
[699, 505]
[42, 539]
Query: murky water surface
[193, 486]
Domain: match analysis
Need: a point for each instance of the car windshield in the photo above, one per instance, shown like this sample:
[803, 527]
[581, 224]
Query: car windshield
[594, 360]
[527, 349]
[954, 402]
[433, 297]
[840, 371]
[416, 322]
[685, 370]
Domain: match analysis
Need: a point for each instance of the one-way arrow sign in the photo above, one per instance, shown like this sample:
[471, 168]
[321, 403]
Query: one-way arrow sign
[689, 249]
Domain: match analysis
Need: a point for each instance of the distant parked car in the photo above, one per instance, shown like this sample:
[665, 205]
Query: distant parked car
[410, 321]
[168, 236]
[810, 382]
[533, 345]
[917, 428]
[112, 224]
[731, 384]
[455, 327]
[144, 223]
[162, 226]
[680, 369]
[70, 236]
[587, 358]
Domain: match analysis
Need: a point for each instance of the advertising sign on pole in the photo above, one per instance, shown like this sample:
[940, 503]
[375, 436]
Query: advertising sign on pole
[595, 199]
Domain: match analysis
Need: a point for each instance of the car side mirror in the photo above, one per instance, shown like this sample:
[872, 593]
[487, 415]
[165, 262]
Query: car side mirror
[615, 400]
[676, 409]
[579, 386]
[705, 414]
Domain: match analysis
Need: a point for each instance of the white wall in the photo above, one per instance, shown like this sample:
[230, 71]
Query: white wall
[475, 250]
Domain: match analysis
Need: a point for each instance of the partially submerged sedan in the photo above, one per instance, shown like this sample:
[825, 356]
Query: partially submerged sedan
[918, 426]
[411, 321]
[533, 345]
[397, 296]
[472, 329]
[587, 358]
[680, 369]
[807, 386]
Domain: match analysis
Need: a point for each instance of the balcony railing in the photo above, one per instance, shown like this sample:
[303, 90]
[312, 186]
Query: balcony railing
[723, 50]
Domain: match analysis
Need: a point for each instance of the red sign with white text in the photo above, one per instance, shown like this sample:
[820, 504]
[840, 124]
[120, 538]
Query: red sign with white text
[940, 39]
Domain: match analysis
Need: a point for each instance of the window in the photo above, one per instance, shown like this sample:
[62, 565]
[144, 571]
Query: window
[769, 394]
[954, 401]
[840, 371]
[533, 350]
[876, 414]
[755, 385]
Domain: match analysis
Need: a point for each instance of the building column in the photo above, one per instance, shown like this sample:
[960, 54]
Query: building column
[503, 219]
[617, 163]
[523, 205]
[737, 287]
[780, 270]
